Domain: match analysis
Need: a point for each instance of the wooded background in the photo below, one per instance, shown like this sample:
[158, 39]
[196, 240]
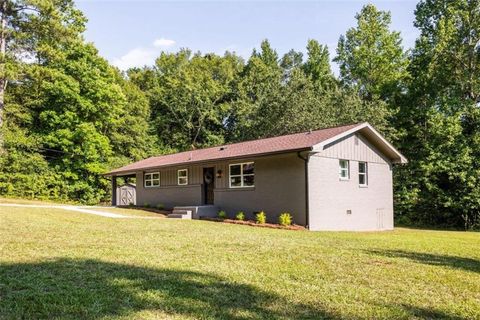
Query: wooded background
[67, 115]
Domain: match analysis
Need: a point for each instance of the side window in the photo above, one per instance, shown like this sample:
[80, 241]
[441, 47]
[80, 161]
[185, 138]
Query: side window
[344, 169]
[362, 173]
[151, 179]
[182, 177]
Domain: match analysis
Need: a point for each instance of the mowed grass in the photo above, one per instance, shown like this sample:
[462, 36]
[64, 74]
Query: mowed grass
[56, 264]
[129, 212]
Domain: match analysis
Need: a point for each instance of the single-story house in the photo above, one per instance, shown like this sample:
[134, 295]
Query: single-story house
[337, 178]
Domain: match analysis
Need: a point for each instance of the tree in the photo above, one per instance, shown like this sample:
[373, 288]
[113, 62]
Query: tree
[29, 29]
[189, 97]
[317, 65]
[268, 103]
[371, 56]
[82, 115]
[441, 117]
[257, 92]
[69, 115]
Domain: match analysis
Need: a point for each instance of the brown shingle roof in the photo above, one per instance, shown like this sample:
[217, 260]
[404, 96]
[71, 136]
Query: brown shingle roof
[290, 142]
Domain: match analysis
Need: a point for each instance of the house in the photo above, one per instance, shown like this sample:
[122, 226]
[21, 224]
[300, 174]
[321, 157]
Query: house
[331, 179]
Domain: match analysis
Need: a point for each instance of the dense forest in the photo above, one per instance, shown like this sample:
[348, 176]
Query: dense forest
[67, 116]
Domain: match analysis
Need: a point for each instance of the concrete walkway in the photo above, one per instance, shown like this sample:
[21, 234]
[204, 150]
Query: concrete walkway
[87, 210]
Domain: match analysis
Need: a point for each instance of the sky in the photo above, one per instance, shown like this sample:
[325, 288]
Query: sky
[133, 33]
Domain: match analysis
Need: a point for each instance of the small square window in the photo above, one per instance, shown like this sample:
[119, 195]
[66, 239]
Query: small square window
[152, 179]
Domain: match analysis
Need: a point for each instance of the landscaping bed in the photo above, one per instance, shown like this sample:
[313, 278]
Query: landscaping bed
[254, 224]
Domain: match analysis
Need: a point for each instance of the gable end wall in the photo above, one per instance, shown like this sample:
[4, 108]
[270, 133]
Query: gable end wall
[330, 197]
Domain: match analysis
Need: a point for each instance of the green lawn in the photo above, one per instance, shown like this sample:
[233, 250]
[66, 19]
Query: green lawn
[65, 265]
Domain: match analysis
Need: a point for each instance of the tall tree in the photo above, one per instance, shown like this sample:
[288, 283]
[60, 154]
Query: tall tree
[441, 117]
[317, 65]
[30, 28]
[371, 56]
[189, 97]
[70, 116]
[257, 91]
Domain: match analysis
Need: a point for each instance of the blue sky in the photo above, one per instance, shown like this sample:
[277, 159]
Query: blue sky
[133, 33]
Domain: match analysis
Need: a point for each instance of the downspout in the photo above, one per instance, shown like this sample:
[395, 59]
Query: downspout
[307, 207]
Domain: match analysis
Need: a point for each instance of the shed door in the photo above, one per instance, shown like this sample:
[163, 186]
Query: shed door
[127, 196]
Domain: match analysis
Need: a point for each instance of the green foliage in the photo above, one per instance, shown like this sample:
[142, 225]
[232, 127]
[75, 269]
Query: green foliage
[160, 206]
[80, 116]
[371, 56]
[317, 66]
[222, 214]
[237, 270]
[441, 118]
[240, 216]
[261, 217]
[188, 97]
[146, 205]
[285, 219]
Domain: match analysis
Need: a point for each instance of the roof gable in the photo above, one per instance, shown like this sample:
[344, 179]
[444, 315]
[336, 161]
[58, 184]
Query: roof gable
[373, 136]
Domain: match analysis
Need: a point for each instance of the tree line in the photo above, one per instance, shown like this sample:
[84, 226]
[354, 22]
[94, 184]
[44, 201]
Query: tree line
[67, 115]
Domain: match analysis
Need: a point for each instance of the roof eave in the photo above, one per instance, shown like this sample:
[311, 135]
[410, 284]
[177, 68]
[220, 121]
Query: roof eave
[257, 155]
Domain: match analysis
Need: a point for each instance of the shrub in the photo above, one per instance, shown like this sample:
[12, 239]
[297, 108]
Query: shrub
[131, 205]
[222, 214]
[261, 217]
[146, 205]
[240, 216]
[160, 206]
[285, 219]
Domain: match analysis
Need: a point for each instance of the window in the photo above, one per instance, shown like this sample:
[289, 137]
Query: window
[242, 175]
[182, 177]
[152, 179]
[344, 170]
[362, 173]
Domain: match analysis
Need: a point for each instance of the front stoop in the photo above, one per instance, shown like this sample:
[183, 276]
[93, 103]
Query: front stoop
[196, 212]
[180, 214]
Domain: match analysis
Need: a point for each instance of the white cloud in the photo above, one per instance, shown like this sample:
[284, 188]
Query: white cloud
[141, 56]
[137, 57]
[162, 43]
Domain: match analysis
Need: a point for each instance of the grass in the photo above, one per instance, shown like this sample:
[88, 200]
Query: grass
[56, 264]
[130, 212]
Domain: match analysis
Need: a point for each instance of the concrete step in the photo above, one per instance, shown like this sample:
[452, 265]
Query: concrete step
[180, 214]
[200, 211]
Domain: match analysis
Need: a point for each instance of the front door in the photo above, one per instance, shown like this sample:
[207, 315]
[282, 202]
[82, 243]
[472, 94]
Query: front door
[208, 184]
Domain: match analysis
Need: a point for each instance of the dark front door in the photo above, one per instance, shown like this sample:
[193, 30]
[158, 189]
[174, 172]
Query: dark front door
[208, 184]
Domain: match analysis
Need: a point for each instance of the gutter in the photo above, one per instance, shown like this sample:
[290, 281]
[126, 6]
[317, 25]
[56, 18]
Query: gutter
[307, 206]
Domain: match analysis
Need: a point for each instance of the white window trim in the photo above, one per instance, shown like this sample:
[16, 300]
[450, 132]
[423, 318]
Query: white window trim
[341, 169]
[364, 174]
[151, 179]
[186, 177]
[241, 175]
